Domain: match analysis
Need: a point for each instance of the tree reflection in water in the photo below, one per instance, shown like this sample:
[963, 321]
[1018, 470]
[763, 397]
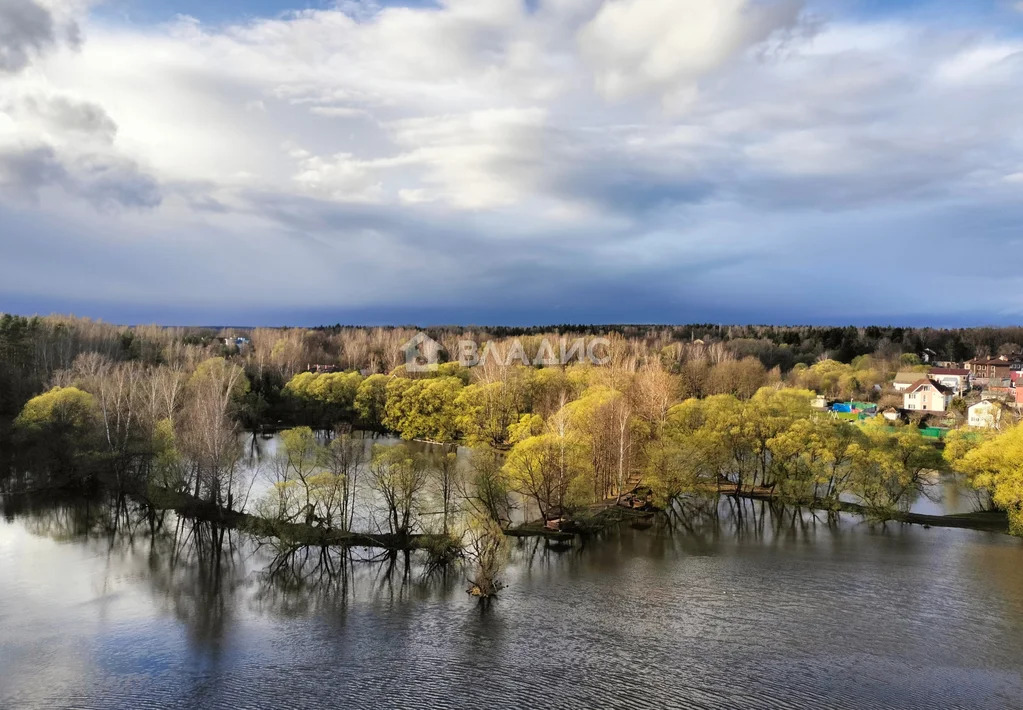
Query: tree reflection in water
[206, 575]
[301, 579]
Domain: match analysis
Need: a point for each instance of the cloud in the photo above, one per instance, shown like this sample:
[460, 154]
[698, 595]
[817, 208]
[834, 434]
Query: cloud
[108, 184]
[52, 137]
[28, 29]
[557, 153]
[636, 46]
[65, 115]
[29, 169]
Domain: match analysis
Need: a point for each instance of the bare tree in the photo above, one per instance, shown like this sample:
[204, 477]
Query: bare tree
[343, 458]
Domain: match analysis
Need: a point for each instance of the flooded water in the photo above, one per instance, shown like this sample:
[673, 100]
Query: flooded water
[751, 610]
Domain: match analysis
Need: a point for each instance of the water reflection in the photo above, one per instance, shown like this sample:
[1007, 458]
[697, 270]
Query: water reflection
[721, 603]
[259, 452]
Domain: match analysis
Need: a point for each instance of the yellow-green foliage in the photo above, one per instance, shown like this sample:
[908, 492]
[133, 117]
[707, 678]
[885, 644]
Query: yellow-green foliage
[550, 388]
[583, 412]
[169, 468]
[725, 436]
[218, 373]
[811, 457]
[888, 466]
[836, 379]
[997, 464]
[452, 369]
[371, 399]
[485, 411]
[399, 475]
[423, 409]
[62, 406]
[335, 391]
[528, 425]
[543, 467]
[299, 444]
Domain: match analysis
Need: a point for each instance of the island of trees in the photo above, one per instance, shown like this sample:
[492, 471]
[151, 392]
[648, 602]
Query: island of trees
[673, 412]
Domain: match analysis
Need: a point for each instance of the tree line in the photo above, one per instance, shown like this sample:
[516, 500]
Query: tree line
[138, 407]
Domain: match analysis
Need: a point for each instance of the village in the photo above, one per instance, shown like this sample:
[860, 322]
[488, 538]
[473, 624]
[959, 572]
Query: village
[939, 396]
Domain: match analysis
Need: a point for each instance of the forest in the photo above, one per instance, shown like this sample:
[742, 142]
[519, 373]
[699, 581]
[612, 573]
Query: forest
[673, 412]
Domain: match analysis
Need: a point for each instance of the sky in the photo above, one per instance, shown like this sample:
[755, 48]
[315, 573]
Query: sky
[514, 162]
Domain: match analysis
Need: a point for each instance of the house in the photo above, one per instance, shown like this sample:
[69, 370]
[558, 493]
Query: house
[999, 387]
[985, 414]
[891, 414]
[995, 368]
[1019, 397]
[904, 379]
[925, 395]
[955, 378]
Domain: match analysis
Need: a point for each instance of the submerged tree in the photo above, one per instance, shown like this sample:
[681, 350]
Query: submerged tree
[209, 436]
[399, 475]
[342, 459]
[294, 470]
[891, 467]
[997, 464]
[486, 551]
[449, 475]
[812, 459]
[485, 487]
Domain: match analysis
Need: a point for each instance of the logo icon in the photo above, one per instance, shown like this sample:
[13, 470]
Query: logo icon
[422, 353]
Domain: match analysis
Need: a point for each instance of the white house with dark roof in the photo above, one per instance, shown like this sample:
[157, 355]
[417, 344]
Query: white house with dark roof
[927, 396]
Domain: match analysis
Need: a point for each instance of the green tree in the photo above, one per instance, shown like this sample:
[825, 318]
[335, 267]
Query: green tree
[59, 431]
[371, 400]
[812, 458]
[423, 409]
[63, 407]
[399, 475]
[996, 464]
[485, 411]
[485, 489]
[890, 467]
[543, 467]
[327, 398]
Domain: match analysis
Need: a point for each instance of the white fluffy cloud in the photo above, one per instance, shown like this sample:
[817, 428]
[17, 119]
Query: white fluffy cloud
[609, 142]
[636, 46]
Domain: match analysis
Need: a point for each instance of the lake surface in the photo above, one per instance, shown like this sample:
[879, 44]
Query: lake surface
[757, 610]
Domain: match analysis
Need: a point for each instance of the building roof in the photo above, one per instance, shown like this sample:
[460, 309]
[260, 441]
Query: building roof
[961, 372]
[989, 361]
[907, 378]
[929, 383]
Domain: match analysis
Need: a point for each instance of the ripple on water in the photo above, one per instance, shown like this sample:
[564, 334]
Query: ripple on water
[854, 617]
